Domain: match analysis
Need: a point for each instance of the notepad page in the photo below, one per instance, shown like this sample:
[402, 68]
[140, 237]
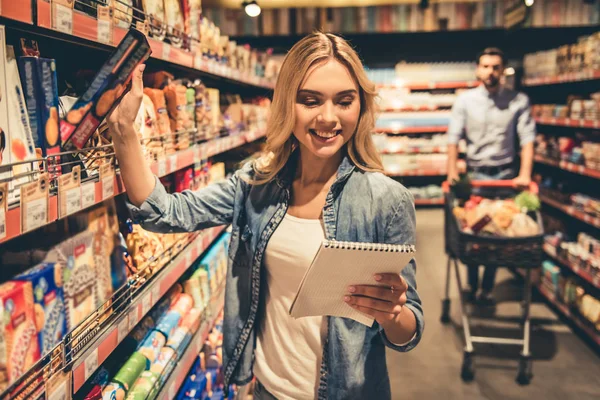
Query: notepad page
[326, 282]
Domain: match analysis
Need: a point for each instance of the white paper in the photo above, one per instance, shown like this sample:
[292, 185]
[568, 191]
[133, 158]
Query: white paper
[108, 187]
[88, 194]
[123, 329]
[173, 163]
[146, 303]
[91, 364]
[133, 317]
[333, 270]
[2, 224]
[162, 167]
[63, 19]
[36, 214]
[73, 197]
[156, 292]
[104, 31]
[166, 52]
[59, 392]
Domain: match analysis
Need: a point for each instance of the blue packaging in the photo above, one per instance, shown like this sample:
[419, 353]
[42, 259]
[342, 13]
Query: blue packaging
[28, 71]
[193, 388]
[49, 303]
[168, 323]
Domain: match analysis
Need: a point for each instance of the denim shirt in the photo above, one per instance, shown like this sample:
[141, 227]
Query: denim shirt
[360, 207]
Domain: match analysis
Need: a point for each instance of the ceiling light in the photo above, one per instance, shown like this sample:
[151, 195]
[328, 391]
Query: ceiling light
[252, 8]
[529, 3]
[509, 71]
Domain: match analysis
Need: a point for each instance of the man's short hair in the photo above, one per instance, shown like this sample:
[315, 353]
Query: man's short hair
[492, 51]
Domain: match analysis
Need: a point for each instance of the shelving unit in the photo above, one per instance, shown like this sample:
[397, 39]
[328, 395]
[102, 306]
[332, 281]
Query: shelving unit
[593, 279]
[569, 123]
[564, 78]
[567, 166]
[572, 211]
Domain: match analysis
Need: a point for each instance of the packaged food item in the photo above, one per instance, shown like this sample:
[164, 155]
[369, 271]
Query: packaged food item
[168, 323]
[166, 358]
[76, 259]
[202, 276]
[183, 304]
[193, 287]
[105, 91]
[152, 344]
[190, 108]
[146, 386]
[49, 306]
[19, 346]
[155, 10]
[102, 249]
[113, 391]
[160, 107]
[174, 17]
[130, 371]
[122, 13]
[213, 109]
[175, 94]
[179, 340]
[149, 133]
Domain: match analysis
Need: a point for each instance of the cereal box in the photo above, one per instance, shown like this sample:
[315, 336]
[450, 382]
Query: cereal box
[19, 348]
[49, 306]
[76, 258]
[106, 90]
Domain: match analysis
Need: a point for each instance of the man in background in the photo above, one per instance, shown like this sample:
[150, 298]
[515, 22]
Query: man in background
[492, 119]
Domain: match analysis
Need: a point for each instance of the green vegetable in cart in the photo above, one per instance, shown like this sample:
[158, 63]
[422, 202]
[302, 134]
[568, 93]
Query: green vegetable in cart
[528, 200]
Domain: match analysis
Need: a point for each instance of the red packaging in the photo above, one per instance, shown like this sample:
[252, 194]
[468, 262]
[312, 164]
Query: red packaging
[184, 179]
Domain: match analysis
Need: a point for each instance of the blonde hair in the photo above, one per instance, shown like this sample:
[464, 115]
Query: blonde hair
[316, 48]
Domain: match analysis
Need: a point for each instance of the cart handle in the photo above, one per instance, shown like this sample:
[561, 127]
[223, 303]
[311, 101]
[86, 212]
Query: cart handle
[533, 187]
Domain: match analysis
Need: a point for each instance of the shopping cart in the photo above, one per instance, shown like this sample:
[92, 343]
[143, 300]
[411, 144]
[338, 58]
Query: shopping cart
[470, 249]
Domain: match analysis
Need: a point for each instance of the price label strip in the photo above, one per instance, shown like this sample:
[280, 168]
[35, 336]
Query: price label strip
[91, 364]
[34, 204]
[173, 163]
[88, 195]
[3, 209]
[162, 167]
[69, 192]
[58, 387]
[104, 25]
[62, 16]
[107, 177]
[123, 329]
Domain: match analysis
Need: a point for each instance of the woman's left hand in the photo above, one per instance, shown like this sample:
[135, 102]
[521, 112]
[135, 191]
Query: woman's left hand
[384, 300]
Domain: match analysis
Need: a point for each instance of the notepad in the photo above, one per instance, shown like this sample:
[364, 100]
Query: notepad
[338, 265]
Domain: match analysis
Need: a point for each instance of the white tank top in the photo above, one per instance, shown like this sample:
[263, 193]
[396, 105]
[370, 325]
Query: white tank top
[289, 351]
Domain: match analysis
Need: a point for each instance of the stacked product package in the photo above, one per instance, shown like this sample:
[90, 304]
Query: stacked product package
[158, 342]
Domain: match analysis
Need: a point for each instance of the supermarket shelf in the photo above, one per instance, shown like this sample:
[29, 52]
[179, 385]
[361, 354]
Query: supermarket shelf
[551, 297]
[165, 166]
[564, 78]
[413, 109]
[572, 211]
[186, 361]
[567, 122]
[591, 278]
[418, 172]
[85, 31]
[415, 130]
[97, 350]
[567, 166]
[16, 10]
[429, 202]
[434, 150]
[431, 85]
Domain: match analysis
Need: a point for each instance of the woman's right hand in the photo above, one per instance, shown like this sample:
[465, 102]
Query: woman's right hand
[121, 119]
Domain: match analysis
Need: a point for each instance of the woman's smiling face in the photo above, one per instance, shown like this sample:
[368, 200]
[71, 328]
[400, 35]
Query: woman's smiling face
[327, 109]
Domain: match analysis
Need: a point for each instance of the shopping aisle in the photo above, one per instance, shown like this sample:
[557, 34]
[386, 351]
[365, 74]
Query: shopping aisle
[564, 366]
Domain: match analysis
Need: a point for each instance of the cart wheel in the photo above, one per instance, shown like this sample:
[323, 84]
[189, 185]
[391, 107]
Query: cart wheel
[467, 372]
[525, 370]
[445, 318]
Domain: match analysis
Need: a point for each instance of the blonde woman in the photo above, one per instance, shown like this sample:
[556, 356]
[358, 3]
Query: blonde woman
[322, 179]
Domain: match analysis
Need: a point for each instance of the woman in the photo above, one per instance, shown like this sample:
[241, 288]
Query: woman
[322, 180]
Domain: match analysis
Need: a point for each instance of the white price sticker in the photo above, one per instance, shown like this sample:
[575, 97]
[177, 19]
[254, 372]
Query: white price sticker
[156, 293]
[108, 187]
[188, 258]
[63, 19]
[36, 215]
[91, 364]
[2, 224]
[73, 200]
[104, 31]
[123, 329]
[146, 303]
[173, 163]
[162, 167]
[133, 317]
[60, 392]
[88, 194]
[166, 52]
[196, 152]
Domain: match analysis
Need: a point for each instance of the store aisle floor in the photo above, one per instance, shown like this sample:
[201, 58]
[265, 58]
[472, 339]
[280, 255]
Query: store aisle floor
[564, 366]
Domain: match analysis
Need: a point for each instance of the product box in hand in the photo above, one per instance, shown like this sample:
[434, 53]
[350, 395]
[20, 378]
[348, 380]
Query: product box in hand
[49, 304]
[38, 77]
[19, 347]
[106, 90]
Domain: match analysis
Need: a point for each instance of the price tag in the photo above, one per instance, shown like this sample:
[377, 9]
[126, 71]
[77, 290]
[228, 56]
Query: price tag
[166, 55]
[188, 258]
[156, 293]
[196, 153]
[107, 177]
[69, 192]
[146, 303]
[104, 25]
[3, 209]
[133, 318]
[88, 195]
[91, 364]
[34, 204]
[62, 16]
[173, 163]
[58, 387]
[162, 167]
[123, 329]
